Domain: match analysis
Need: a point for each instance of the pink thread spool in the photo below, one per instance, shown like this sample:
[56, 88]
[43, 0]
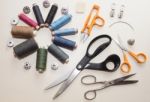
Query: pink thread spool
[28, 21]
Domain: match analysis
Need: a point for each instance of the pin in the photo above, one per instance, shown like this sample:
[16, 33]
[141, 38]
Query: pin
[120, 15]
[112, 12]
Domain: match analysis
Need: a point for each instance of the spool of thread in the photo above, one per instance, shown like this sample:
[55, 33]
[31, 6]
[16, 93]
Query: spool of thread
[65, 32]
[38, 15]
[41, 60]
[22, 32]
[58, 53]
[62, 42]
[51, 15]
[26, 48]
[28, 21]
[60, 22]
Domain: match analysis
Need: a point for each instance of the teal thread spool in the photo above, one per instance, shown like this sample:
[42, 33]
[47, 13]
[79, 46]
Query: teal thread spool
[41, 60]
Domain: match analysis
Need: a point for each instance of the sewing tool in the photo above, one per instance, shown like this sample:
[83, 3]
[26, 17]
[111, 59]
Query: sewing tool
[59, 41]
[41, 60]
[22, 32]
[103, 66]
[106, 84]
[65, 32]
[25, 48]
[38, 15]
[60, 22]
[139, 58]
[85, 61]
[28, 21]
[51, 15]
[88, 26]
[58, 53]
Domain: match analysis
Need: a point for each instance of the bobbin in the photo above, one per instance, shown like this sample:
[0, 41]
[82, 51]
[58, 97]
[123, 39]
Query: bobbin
[65, 32]
[28, 21]
[14, 21]
[62, 42]
[22, 32]
[38, 15]
[25, 48]
[41, 60]
[51, 15]
[60, 22]
[58, 53]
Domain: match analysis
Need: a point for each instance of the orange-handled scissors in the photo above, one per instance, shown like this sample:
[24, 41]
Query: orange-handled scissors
[86, 30]
[139, 58]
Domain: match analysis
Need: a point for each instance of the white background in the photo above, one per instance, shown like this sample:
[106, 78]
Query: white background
[19, 85]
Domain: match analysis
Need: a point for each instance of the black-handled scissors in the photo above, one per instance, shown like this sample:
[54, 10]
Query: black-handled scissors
[85, 61]
[106, 84]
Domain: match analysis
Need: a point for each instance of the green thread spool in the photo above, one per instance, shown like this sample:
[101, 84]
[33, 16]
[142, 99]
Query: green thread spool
[41, 60]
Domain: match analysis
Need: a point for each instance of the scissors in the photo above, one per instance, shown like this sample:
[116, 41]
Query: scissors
[139, 58]
[84, 63]
[115, 59]
[86, 31]
[106, 84]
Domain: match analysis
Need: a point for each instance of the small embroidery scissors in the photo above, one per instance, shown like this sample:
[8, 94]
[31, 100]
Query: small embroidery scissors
[86, 31]
[139, 58]
[84, 63]
[106, 84]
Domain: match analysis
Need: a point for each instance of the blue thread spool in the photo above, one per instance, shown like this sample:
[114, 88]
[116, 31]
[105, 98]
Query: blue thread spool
[65, 32]
[62, 42]
[60, 22]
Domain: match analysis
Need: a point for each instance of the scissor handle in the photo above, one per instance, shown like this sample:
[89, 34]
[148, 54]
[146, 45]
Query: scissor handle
[102, 21]
[140, 57]
[84, 81]
[86, 59]
[104, 66]
[125, 66]
[89, 92]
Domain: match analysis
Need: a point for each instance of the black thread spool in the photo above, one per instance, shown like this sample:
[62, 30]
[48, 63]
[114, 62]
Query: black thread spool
[51, 15]
[58, 53]
[38, 15]
[41, 60]
[26, 48]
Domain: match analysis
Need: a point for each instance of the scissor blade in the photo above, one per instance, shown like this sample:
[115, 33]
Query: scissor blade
[119, 45]
[118, 80]
[58, 81]
[66, 83]
[127, 82]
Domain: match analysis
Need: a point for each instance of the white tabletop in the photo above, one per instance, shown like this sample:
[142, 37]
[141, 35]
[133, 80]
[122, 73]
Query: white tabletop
[20, 85]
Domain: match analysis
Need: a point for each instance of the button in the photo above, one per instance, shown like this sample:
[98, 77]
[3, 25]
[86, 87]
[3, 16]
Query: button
[26, 10]
[46, 3]
[14, 21]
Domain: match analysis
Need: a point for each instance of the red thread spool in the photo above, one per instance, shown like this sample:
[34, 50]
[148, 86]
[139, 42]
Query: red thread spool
[28, 21]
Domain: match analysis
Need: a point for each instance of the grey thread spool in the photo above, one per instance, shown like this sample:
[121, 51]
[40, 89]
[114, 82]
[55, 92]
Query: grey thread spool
[38, 15]
[26, 48]
[22, 32]
[58, 53]
[41, 60]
